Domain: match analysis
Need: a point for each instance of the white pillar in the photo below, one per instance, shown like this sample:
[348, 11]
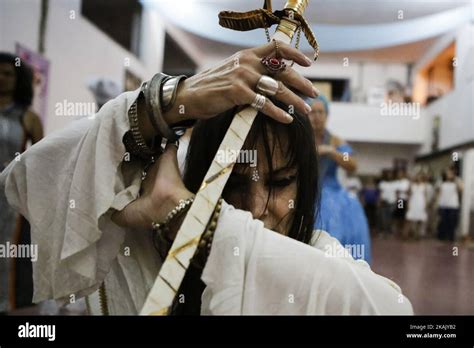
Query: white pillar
[468, 192]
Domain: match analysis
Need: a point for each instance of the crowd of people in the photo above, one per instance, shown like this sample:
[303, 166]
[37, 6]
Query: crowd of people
[412, 207]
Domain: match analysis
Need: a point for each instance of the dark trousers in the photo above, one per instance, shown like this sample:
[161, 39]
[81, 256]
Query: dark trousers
[371, 213]
[448, 221]
[386, 217]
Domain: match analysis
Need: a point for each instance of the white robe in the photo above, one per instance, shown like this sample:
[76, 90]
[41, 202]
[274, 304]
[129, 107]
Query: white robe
[68, 185]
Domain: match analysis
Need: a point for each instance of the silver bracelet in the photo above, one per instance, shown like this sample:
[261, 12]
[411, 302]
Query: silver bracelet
[183, 204]
[153, 106]
[137, 145]
[169, 91]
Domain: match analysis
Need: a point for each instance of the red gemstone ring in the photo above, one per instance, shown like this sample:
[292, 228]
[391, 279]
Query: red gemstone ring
[273, 65]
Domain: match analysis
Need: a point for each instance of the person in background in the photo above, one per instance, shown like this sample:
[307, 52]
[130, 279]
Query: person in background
[341, 214]
[449, 193]
[104, 90]
[431, 207]
[369, 196]
[18, 126]
[402, 185]
[416, 213]
[387, 202]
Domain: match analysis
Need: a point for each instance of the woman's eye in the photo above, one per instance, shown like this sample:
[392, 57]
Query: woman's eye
[283, 182]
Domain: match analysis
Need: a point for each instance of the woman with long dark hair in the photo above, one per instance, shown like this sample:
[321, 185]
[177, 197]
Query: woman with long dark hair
[18, 125]
[112, 217]
[285, 159]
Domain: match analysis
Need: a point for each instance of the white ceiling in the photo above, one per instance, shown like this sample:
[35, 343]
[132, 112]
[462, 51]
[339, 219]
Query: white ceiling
[368, 29]
[347, 12]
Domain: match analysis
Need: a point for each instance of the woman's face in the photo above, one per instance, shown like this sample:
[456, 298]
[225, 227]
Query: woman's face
[450, 174]
[249, 189]
[318, 116]
[7, 78]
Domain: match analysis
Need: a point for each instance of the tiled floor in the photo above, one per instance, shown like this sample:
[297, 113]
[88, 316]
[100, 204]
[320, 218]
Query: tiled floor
[433, 279]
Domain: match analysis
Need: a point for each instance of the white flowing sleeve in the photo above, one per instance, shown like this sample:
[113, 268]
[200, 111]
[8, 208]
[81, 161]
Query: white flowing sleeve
[67, 186]
[252, 270]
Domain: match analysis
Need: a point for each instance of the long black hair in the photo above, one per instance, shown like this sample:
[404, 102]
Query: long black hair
[297, 145]
[23, 94]
[296, 141]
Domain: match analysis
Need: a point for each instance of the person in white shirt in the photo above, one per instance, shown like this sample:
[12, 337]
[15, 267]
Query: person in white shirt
[449, 193]
[416, 213]
[432, 220]
[402, 184]
[388, 199]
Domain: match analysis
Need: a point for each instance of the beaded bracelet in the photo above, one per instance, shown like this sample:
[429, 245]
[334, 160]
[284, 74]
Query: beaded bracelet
[133, 139]
[163, 243]
[160, 230]
[177, 211]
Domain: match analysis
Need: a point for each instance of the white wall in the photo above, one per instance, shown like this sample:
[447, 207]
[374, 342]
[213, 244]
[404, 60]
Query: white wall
[362, 75]
[372, 158]
[456, 109]
[467, 207]
[364, 123]
[77, 50]
[19, 21]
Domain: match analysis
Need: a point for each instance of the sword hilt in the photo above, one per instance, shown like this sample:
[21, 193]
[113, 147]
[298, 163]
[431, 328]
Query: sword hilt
[287, 25]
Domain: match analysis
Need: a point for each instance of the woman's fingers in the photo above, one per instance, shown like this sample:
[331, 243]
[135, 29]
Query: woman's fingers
[289, 98]
[284, 94]
[284, 51]
[290, 78]
[269, 109]
[275, 112]
[293, 79]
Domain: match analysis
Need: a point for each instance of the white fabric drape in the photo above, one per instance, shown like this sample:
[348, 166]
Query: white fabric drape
[67, 186]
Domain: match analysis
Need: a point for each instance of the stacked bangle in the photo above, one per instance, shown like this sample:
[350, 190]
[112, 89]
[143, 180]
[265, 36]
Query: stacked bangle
[160, 94]
[168, 91]
[154, 108]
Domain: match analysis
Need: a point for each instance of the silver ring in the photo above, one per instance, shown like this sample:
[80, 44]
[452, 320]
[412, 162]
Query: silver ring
[267, 85]
[258, 102]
